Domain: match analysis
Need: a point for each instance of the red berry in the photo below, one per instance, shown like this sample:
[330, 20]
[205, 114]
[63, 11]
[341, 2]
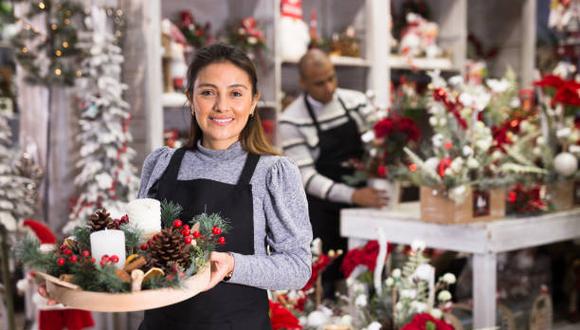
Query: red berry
[74, 258]
[144, 247]
[177, 223]
[114, 259]
[187, 239]
[60, 261]
[105, 259]
[93, 260]
[186, 232]
[216, 230]
[86, 253]
[68, 252]
[221, 240]
[196, 234]
[186, 226]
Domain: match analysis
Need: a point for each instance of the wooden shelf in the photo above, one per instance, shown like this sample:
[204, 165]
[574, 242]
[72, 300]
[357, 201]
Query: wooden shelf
[340, 61]
[420, 63]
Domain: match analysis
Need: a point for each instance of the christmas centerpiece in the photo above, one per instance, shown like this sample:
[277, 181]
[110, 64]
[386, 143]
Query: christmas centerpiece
[131, 263]
[463, 180]
[560, 137]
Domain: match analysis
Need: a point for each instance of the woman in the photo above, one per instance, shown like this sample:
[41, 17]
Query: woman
[228, 167]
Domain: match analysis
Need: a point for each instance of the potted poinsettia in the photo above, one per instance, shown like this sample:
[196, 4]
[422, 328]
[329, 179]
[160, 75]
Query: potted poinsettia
[560, 127]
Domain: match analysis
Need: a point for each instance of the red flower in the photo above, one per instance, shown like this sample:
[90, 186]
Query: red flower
[443, 165]
[366, 256]
[421, 321]
[382, 171]
[383, 128]
[282, 318]
[186, 18]
[550, 81]
[568, 94]
[317, 267]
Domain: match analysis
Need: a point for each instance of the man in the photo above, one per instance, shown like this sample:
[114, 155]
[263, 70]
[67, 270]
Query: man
[321, 132]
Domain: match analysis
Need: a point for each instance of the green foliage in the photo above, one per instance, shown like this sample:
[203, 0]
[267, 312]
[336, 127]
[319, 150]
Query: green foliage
[28, 252]
[132, 237]
[99, 279]
[169, 212]
[82, 235]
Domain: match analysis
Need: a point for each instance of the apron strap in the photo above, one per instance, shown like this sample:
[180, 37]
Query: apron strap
[313, 117]
[248, 170]
[172, 170]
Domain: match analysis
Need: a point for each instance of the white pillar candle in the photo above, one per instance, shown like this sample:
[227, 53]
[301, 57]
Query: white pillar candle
[145, 214]
[109, 242]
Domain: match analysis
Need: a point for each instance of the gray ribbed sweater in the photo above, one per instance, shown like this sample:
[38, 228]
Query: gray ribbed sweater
[280, 211]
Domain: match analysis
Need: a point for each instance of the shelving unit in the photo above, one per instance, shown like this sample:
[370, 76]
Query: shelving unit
[370, 21]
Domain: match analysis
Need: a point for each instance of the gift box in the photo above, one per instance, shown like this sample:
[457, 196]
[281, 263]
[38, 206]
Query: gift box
[72, 296]
[478, 205]
[562, 194]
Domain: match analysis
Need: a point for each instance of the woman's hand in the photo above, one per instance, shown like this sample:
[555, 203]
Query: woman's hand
[44, 302]
[222, 264]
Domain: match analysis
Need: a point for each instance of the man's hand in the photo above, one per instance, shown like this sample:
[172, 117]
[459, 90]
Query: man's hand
[370, 197]
[222, 264]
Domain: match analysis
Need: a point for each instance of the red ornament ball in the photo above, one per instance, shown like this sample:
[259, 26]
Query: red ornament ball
[216, 230]
[74, 258]
[68, 252]
[221, 240]
[187, 239]
[60, 261]
[86, 253]
[186, 232]
[114, 259]
[177, 223]
[186, 227]
[196, 234]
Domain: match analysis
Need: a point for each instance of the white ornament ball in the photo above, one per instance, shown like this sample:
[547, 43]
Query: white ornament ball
[566, 164]
[432, 163]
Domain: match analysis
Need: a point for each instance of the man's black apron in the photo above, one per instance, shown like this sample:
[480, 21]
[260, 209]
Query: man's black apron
[227, 306]
[337, 146]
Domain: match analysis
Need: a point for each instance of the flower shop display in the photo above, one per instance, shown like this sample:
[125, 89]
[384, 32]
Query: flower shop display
[174, 64]
[560, 102]
[419, 39]
[345, 44]
[247, 35]
[130, 263]
[463, 181]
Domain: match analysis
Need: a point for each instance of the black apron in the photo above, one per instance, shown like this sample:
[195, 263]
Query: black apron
[337, 146]
[227, 306]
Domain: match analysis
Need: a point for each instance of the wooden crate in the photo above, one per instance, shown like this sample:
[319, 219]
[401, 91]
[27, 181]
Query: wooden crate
[561, 194]
[478, 206]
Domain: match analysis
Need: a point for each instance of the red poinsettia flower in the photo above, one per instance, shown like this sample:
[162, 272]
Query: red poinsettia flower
[366, 256]
[317, 267]
[550, 80]
[426, 321]
[568, 94]
[382, 171]
[186, 18]
[383, 128]
[282, 319]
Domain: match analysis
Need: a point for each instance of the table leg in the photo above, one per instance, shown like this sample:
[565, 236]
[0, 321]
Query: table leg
[484, 290]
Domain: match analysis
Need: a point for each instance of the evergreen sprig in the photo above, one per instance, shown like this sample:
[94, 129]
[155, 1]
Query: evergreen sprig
[28, 252]
[169, 212]
[208, 221]
[99, 279]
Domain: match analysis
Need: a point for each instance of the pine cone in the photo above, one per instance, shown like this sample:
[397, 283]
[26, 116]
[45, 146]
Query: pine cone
[99, 220]
[169, 248]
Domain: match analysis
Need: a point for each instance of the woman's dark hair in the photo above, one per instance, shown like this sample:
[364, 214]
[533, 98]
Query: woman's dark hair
[252, 136]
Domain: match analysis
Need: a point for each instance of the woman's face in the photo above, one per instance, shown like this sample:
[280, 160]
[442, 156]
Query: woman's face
[222, 103]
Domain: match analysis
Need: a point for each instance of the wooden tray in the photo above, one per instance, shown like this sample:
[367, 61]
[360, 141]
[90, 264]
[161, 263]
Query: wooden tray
[71, 296]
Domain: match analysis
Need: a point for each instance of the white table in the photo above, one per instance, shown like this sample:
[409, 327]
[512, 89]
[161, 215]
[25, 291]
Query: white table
[484, 240]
